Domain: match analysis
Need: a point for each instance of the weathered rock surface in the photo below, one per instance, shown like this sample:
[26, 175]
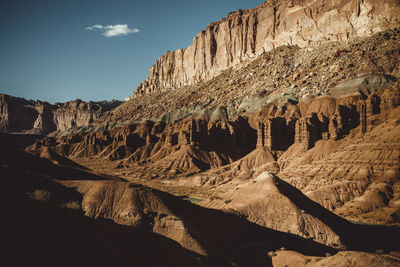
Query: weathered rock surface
[269, 202]
[49, 235]
[200, 141]
[187, 146]
[166, 229]
[346, 258]
[320, 112]
[296, 140]
[357, 177]
[213, 236]
[37, 117]
[286, 73]
[247, 34]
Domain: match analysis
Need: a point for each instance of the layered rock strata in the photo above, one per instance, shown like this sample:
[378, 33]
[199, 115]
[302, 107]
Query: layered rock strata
[246, 34]
[327, 117]
[199, 143]
[28, 116]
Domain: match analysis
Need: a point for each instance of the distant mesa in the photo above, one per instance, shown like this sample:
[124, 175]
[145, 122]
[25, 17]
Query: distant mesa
[37, 117]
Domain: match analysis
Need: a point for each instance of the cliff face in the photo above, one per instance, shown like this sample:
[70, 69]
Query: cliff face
[21, 115]
[198, 143]
[341, 149]
[247, 34]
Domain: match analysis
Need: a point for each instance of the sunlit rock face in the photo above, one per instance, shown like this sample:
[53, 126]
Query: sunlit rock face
[246, 34]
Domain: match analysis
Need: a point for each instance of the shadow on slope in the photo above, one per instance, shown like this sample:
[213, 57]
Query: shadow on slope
[36, 234]
[23, 161]
[230, 238]
[49, 234]
[18, 140]
[355, 236]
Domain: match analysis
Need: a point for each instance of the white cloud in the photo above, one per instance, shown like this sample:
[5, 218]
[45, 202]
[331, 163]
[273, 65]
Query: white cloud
[113, 30]
[97, 26]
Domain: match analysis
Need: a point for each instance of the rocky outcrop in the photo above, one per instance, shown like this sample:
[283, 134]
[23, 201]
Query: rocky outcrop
[247, 34]
[327, 117]
[343, 258]
[187, 146]
[262, 200]
[199, 142]
[355, 175]
[165, 229]
[288, 73]
[275, 133]
[305, 114]
[28, 116]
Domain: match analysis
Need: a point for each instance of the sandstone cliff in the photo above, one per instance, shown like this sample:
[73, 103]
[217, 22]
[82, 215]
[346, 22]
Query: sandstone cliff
[28, 116]
[246, 34]
[284, 151]
[289, 138]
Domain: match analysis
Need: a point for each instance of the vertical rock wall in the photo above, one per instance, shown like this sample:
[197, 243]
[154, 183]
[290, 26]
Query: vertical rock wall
[246, 34]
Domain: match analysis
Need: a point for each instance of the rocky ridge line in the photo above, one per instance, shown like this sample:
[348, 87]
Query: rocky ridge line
[37, 117]
[247, 34]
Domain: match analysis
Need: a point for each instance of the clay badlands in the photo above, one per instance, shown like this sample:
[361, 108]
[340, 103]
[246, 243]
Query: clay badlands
[272, 140]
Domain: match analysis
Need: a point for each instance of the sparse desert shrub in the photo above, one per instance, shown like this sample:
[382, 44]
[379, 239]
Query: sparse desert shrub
[215, 197]
[41, 195]
[73, 205]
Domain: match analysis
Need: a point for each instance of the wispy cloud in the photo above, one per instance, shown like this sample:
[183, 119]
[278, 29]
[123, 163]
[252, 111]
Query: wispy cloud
[113, 30]
[97, 26]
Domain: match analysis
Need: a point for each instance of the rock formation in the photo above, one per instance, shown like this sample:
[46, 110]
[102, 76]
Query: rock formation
[286, 74]
[166, 229]
[345, 258]
[52, 191]
[198, 143]
[37, 117]
[280, 124]
[282, 137]
[246, 34]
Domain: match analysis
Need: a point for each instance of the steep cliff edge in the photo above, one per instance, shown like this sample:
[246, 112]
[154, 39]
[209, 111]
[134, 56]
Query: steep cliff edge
[339, 148]
[246, 34]
[28, 116]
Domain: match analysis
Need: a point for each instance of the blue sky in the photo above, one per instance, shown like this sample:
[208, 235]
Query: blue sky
[47, 51]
